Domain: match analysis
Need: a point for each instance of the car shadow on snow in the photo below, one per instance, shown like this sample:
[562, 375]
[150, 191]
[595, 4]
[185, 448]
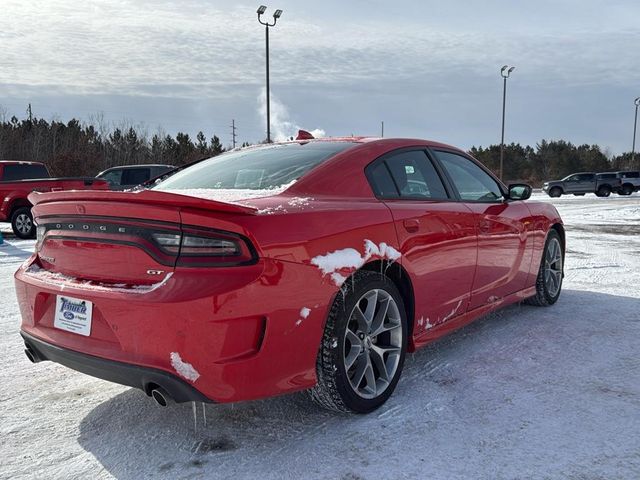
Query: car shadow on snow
[134, 438]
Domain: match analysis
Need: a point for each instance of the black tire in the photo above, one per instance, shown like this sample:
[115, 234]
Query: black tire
[626, 189]
[334, 390]
[22, 223]
[543, 297]
[604, 191]
[555, 192]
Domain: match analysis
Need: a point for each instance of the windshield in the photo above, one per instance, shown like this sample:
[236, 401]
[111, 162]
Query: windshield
[263, 168]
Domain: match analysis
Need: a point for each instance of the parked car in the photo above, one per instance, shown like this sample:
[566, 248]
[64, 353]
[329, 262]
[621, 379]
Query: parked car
[19, 179]
[311, 264]
[129, 176]
[630, 182]
[602, 184]
[153, 181]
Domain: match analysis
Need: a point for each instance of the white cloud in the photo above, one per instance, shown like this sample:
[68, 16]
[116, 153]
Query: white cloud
[196, 49]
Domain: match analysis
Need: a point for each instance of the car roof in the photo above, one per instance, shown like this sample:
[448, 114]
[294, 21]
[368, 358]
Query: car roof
[364, 139]
[139, 165]
[19, 162]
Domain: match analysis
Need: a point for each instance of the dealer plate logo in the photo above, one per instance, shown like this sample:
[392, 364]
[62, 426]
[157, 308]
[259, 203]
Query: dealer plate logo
[73, 315]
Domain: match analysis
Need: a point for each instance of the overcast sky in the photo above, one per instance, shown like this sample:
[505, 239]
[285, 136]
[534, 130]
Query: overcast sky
[429, 69]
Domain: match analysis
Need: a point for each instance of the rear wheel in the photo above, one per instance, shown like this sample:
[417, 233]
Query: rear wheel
[549, 280]
[604, 191]
[363, 347]
[22, 223]
[555, 192]
[626, 189]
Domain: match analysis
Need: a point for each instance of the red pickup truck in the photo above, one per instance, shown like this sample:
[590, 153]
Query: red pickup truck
[19, 179]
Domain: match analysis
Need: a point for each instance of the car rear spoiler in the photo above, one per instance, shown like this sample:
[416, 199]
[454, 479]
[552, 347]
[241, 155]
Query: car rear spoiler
[147, 197]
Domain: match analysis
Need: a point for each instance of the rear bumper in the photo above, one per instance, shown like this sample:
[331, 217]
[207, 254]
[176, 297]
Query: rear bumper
[117, 372]
[238, 328]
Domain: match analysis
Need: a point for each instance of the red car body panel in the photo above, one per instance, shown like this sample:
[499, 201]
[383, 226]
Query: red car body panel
[241, 327]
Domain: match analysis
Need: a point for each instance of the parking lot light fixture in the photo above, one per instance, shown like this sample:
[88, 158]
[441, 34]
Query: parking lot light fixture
[276, 15]
[505, 71]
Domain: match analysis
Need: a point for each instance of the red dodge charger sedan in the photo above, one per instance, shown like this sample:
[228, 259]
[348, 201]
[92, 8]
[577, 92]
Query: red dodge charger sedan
[307, 265]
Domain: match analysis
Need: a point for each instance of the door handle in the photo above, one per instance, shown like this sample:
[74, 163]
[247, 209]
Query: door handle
[411, 225]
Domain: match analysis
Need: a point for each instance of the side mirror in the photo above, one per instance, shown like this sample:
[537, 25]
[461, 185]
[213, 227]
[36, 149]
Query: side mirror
[519, 191]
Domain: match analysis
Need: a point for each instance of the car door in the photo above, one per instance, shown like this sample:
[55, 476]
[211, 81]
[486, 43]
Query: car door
[582, 182]
[436, 235]
[504, 229]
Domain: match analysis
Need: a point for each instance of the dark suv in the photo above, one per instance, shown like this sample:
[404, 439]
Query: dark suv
[602, 184]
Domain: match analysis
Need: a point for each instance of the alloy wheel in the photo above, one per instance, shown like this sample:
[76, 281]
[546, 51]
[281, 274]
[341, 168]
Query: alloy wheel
[553, 267]
[23, 223]
[372, 343]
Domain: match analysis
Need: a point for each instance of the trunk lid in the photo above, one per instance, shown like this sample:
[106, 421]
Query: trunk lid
[115, 238]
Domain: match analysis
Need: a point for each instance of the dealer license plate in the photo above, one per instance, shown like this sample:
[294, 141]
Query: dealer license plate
[73, 315]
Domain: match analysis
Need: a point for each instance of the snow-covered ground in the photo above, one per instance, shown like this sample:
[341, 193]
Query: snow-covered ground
[524, 393]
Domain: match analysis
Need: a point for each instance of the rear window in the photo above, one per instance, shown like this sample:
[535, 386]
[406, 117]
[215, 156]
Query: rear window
[629, 174]
[260, 168]
[23, 171]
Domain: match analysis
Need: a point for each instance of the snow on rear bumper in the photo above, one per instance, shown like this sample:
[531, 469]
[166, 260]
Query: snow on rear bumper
[239, 328]
[117, 372]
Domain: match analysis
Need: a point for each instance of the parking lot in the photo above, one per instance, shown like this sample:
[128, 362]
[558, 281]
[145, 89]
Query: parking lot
[524, 393]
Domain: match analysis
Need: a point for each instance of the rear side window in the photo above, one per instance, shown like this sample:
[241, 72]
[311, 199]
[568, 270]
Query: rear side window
[135, 176]
[23, 172]
[471, 181]
[381, 181]
[406, 175]
[629, 174]
[260, 168]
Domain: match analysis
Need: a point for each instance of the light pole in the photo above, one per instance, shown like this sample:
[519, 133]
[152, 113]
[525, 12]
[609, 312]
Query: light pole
[276, 15]
[505, 71]
[635, 125]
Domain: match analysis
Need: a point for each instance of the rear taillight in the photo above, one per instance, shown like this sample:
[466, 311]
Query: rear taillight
[196, 248]
[169, 242]
[192, 245]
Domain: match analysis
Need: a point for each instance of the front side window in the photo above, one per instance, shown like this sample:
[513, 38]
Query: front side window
[471, 181]
[114, 177]
[260, 168]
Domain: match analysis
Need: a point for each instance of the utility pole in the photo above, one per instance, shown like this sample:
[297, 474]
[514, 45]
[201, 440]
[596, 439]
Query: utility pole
[233, 133]
[635, 126]
[382, 129]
